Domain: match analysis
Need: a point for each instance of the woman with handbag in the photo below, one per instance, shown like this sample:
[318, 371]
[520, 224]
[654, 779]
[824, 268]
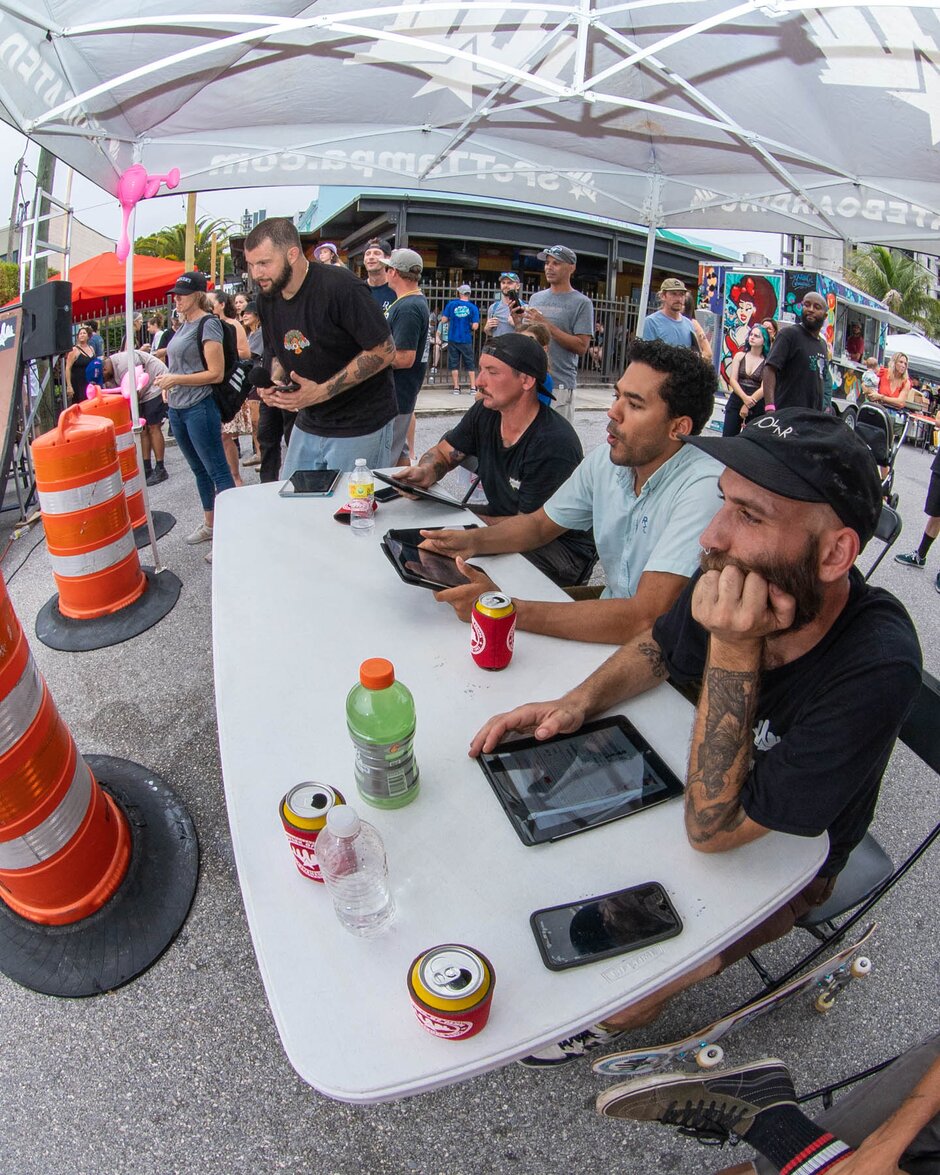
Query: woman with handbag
[187, 389]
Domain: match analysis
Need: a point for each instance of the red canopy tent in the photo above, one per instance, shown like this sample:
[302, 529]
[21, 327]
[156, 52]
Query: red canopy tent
[98, 284]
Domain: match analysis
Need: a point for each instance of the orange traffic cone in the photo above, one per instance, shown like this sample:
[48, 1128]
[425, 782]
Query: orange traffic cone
[67, 853]
[104, 594]
[112, 406]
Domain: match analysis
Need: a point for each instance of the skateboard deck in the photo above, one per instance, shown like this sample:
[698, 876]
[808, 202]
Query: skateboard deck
[829, 977]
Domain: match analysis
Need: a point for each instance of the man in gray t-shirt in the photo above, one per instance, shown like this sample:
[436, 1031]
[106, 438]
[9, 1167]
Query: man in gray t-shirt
[569, 317]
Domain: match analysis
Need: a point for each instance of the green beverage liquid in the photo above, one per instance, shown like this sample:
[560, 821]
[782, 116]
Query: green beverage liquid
[382, 726]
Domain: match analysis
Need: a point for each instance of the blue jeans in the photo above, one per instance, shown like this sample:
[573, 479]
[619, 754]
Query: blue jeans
[198, 432]
[308, 451]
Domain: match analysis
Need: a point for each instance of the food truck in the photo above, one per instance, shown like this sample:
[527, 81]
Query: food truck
[739, 297]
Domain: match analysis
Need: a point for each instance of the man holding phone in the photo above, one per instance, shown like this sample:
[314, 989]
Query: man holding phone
[324, 334]
[781, 632]
[499, 320]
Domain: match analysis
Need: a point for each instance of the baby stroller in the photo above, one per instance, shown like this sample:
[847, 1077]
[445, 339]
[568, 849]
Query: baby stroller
[883, 432]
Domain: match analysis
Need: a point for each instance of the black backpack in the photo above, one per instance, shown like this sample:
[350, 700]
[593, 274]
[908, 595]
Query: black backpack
[233, 391]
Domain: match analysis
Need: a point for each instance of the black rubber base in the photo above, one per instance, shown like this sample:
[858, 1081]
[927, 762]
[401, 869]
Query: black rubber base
[163, 523]
[80, 636]
[131, 931]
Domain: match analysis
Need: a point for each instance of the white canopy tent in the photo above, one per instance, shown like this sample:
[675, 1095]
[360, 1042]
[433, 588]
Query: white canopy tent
[922, 354]
[817, 118]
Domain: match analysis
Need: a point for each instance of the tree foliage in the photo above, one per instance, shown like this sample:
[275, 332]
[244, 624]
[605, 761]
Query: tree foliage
[898, 281]
[170, 242]
[9, 282]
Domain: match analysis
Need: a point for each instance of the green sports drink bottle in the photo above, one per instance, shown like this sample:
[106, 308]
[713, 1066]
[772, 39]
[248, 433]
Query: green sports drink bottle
[380, 714]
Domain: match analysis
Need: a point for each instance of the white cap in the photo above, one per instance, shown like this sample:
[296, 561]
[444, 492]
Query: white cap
[343, 821]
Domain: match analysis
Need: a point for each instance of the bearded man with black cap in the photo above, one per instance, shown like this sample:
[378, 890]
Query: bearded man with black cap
[523, 449]
[785, 639]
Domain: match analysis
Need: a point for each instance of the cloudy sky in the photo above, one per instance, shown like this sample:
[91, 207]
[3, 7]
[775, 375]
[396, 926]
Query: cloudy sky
[101, 211]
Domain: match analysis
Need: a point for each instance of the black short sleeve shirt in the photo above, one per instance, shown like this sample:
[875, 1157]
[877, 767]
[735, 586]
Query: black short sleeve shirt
[328, 322]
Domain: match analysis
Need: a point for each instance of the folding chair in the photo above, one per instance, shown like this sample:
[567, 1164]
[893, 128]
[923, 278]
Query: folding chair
[869, 873]
[887, 531]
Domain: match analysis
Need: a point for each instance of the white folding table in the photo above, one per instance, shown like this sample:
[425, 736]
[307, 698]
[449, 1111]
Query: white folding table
[298, 602]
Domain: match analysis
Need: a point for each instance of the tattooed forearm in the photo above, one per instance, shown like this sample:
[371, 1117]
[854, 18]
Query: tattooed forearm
[720, 756]
[652, 652]
[365, 365]
[437, 463]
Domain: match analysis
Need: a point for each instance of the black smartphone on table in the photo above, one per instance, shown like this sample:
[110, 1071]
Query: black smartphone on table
[601, 927]
[310, 483]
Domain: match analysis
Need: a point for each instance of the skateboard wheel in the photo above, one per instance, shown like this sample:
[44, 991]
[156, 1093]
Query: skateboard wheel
[861, 967]
[710, 1056]
[824, 1001]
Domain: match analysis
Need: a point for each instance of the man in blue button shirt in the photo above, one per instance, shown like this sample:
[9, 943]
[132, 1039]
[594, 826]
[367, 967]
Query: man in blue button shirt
[647, 496]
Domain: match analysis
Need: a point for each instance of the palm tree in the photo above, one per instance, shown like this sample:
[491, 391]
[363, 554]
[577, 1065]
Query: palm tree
[895, 279]
[170, 242]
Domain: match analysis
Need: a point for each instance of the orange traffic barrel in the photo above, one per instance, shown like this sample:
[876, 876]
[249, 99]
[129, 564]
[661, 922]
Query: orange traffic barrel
[112, 406]
[64, 844]
[84, 513]
[98, 858]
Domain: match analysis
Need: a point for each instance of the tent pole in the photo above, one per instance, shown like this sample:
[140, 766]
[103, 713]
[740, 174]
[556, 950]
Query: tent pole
[653, 210]
[132, 384]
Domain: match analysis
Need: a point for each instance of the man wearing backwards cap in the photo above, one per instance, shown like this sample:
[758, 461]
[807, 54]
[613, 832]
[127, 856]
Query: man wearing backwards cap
[374, 260]
[524, 450]
[784, 636]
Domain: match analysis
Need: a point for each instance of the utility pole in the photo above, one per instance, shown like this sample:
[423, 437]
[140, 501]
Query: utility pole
[190, 258]
[45, 177]
[212, 248]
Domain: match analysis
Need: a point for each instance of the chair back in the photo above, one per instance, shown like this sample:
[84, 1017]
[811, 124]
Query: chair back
[886, 531]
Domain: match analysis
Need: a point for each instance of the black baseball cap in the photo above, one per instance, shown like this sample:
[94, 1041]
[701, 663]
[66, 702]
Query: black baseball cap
[807, 456]
[379, 243]
[524, 354]
[190, 283]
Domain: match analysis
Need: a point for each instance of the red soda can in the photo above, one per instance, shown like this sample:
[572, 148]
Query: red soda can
[303, 813]
[492, 630]
[451, 989]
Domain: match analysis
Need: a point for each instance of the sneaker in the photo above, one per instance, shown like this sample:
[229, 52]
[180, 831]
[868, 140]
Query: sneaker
[570, 1049]
[716, 1106]
[202, 534]
[158, 475]
[254, 459]
[910, 560]
[455, 392]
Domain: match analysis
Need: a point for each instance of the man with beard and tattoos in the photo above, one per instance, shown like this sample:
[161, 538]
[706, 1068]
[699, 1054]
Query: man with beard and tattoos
[324, 333]
[784, 637]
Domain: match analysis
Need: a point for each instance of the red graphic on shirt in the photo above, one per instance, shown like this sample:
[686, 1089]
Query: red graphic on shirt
[295, 341]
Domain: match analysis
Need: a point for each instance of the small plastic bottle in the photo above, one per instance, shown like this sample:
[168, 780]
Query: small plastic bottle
[362, 498]
[352, 862]
[380, 715]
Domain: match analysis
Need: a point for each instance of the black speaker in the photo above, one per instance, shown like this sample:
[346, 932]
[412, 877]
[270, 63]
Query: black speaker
[47, 320]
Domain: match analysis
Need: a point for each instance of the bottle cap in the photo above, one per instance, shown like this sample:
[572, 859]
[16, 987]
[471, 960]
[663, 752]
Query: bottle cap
[343, 821]
[377, 673]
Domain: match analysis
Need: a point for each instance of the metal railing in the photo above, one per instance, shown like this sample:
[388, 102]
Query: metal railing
[604, 362]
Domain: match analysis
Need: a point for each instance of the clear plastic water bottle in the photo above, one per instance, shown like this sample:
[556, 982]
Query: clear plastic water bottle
[380, 715]
[361, 498]
[352, 862]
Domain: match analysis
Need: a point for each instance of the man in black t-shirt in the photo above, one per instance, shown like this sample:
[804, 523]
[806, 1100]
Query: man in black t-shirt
[786, 639]
[324, 333]
[797, 365]
[408, 318]
[523, 449]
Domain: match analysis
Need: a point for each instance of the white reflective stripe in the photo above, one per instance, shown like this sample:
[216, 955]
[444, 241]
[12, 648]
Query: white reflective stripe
[88, 562]
[55, 832]
[19, 708]
[133, 485]
[92, 494]
[125, 440]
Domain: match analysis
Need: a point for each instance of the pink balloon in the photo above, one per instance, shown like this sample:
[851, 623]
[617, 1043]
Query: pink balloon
[133, 186]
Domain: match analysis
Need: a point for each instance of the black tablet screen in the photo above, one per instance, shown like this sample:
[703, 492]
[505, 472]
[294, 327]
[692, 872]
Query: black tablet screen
[567, 784]
[439, 570]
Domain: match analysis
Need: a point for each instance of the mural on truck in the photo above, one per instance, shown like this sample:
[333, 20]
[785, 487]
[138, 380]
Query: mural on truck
[710, 294]
[749, 299]
[798, 283]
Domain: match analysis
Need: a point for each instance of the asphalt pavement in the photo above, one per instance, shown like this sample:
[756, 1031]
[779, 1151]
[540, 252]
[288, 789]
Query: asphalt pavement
[182, 1070]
